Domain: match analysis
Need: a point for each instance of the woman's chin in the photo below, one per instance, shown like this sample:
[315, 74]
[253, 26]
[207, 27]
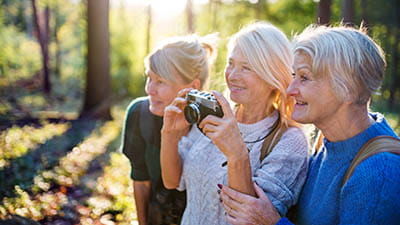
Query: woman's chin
[156, 111]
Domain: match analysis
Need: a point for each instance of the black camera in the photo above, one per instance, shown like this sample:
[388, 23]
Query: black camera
[200, 104]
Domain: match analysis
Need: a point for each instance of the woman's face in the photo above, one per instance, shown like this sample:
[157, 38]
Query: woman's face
[161, 92]
[314, 97]
[245, 86]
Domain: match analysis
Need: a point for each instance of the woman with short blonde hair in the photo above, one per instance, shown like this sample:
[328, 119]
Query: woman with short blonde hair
[176, 63]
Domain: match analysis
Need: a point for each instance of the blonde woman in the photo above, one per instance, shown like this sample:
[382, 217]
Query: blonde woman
[178, 62]
[228, 150]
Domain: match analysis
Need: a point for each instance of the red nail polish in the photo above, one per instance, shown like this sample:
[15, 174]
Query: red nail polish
[219, 186]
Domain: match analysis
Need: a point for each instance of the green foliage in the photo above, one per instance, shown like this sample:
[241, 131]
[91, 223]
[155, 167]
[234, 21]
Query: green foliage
[127, 54]
[19, 55]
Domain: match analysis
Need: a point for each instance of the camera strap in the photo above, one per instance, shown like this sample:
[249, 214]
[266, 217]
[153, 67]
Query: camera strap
[272, 138]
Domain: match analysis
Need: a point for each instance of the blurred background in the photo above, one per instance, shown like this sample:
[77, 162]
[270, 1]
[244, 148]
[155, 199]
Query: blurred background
[68, 69]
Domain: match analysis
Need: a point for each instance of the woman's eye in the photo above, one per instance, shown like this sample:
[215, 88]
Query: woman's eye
[246, 68]
[303, 78]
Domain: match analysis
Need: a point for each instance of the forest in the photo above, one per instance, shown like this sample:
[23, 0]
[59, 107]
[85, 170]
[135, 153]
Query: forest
[68, 70]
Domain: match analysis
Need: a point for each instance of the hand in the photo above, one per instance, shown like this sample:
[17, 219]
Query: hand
[244, 209]
[174, 118]
[224, 132]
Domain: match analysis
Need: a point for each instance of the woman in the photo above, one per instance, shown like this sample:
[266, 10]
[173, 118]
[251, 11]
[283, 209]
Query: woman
[176, 63]
[257, 74]
[337, 69]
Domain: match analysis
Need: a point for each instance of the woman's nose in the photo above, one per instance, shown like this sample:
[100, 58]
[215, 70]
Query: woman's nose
[292, 90]
[232, 74]
[150, 88]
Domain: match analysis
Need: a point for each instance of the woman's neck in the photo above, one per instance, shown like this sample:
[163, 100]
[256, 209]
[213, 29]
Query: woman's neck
[347, 124]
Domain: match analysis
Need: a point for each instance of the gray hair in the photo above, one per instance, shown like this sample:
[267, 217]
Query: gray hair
[189, 57]
[349, 58]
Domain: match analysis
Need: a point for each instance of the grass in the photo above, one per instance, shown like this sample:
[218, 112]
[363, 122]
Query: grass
[84, 183]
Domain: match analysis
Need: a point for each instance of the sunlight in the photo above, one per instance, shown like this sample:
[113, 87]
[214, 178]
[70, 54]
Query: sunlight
[162, 8]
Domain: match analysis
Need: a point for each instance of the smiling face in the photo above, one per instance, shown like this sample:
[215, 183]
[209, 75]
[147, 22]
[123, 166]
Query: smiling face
[245, 86]
[161, 92]
[314, 96]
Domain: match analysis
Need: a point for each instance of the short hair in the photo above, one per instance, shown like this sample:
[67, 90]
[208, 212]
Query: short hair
[189, 57]
[270, 55]
[349, 58]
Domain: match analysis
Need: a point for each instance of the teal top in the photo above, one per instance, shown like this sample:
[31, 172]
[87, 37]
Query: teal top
[141, 140]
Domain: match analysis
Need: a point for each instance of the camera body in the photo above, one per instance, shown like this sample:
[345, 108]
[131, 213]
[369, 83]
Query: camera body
[200, 104]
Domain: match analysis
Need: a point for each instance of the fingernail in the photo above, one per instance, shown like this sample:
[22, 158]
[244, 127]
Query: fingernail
[219, 186]
[220, 200]
[219, 191]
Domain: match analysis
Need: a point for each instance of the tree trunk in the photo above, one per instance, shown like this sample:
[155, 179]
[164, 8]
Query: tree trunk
[190, 16]
[395, 47]
[364, 17]
[57, 25]
[148, 28]
[324, 12]
[42, 35]
[98, 89]
[348, 12]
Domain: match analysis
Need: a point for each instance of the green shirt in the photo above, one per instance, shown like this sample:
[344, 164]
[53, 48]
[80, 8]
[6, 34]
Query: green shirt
[141, 141]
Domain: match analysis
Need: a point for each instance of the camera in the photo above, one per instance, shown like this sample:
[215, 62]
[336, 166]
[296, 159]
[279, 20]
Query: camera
[200, 104]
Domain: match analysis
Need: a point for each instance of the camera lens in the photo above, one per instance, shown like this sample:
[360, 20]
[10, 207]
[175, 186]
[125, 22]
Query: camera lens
[192, 113]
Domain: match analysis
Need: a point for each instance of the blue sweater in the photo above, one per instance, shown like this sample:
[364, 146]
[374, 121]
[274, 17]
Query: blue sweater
[370, 196]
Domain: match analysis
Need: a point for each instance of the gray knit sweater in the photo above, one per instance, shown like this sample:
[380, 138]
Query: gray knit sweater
[281, 174]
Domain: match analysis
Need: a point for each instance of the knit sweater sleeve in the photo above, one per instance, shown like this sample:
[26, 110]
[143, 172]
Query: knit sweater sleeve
[184, 146]
[283, 172]
[371, 195]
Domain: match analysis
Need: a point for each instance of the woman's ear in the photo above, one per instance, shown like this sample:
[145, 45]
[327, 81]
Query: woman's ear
[195, 84]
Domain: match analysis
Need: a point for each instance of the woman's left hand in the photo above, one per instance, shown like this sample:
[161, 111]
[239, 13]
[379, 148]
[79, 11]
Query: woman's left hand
[244, 209]
[224, 132]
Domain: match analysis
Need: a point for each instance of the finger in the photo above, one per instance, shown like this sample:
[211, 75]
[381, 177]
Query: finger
[210, 119]
[183, 92]
[228, 202]
[260, 192]
[224, 104]
[235, 195]
[209, 128]
[172, 108]
[179, 101]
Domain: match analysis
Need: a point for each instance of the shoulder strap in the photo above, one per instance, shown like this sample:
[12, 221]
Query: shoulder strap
[373, 146]
[272, 138]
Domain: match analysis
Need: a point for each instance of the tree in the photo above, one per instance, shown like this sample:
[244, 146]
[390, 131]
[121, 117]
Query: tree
[190, 16]
[348, 12]
[148, 28]
[42, 30]
[324, 12]
[98, 89]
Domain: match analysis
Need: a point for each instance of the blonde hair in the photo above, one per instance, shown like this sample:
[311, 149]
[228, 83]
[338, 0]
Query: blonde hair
[269, 54]
[189, 57]
[349, 58]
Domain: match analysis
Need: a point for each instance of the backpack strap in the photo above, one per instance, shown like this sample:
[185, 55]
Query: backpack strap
[272, 138]
[374, 146]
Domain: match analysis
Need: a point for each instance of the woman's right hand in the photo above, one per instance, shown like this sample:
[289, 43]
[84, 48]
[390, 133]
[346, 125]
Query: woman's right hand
[174, 118]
